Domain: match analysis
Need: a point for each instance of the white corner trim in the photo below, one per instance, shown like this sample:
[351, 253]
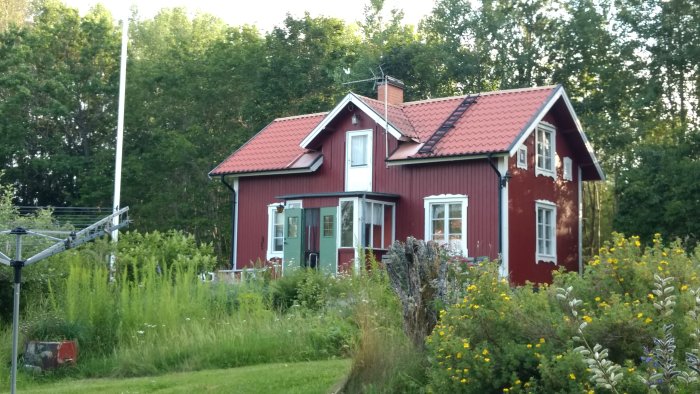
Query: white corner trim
[504, 269]
[580, 221]
[236, 188]
[349, 98]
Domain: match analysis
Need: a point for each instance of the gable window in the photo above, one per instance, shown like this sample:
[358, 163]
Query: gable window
[545, 150]
[522, 157]
[546, 246]
[358, 157]
[446, 221]
[568, 168]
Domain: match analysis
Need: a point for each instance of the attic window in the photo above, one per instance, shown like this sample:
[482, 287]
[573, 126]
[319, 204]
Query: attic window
[568, 167]
[545, 150]
[522, 157]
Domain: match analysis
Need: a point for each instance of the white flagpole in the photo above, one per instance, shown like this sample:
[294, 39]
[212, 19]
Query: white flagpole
[120, 132]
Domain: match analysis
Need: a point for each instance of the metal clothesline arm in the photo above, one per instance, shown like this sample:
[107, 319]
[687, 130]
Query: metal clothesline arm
[87, 234]
[4, 259]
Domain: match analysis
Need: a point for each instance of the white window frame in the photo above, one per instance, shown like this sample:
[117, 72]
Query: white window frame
[551, 255]
[521, 159]
[567, 172]
[355, 222]
[429, 201]
[271, 213]
[544, 127]
[367, 217]
[365, 170]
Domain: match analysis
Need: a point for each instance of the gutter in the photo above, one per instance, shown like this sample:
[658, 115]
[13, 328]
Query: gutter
[233, 220]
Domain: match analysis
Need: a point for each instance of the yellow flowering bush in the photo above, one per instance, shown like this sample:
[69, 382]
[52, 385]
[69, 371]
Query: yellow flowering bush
[501, 339]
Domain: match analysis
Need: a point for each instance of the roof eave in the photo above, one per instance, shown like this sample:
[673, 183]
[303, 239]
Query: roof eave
[285, 171]
[438, 159]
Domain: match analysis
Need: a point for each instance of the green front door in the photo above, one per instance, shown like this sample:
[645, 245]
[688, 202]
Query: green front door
[328, 246]
[293, 237]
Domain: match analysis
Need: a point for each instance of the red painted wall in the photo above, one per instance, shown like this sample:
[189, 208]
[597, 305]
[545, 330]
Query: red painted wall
[474, 178]
[524, 189]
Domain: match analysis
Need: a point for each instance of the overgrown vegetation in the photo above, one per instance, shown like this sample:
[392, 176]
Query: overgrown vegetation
[629, 324]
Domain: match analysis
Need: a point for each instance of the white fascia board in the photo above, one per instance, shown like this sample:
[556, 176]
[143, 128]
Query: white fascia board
[589, 147]
[553, 99]
[349, 98]
[536, 121]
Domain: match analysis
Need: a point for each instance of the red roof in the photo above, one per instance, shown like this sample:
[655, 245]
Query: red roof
[492, 124]
[276, 147]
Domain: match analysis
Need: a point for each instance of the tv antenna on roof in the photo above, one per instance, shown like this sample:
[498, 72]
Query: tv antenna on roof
[385, 79]
[58, 245]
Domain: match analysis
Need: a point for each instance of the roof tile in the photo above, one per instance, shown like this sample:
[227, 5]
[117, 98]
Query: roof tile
[492, 124]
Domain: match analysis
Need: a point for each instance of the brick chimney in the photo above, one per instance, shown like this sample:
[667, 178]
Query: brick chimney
[394, 90]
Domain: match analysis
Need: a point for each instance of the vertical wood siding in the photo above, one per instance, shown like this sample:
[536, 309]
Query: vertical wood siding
[413, 183]
[523, 190]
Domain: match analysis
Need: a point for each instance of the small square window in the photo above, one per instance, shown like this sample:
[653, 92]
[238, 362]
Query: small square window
[568, 168]
[522, 157]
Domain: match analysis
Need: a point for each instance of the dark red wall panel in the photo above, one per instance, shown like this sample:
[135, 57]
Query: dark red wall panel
[474, 178]
[524, 189]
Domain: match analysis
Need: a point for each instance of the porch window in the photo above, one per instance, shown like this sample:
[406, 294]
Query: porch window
[446, 221]
[275, 235]
[546, 247]
[379, 224]
[347, 221]
[545, 147]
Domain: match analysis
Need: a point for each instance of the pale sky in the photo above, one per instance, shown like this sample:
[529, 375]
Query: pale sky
[265, 14]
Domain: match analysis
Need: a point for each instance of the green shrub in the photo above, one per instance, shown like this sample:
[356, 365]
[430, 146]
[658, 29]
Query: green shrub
[635, 306]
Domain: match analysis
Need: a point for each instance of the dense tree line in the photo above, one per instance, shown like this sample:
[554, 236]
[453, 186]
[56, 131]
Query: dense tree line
[198, 88]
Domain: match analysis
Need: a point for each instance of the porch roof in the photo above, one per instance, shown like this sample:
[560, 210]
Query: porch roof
[389, 196]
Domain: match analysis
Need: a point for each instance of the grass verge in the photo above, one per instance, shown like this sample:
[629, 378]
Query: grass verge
[305, 377]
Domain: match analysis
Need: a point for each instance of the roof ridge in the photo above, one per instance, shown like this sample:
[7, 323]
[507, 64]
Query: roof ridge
[301, 116]
[489, 93]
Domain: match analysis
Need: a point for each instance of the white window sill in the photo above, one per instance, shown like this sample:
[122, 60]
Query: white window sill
[546, 259]
[541, 172]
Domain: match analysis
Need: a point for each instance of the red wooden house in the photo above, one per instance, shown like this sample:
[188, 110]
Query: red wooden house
[496, 174]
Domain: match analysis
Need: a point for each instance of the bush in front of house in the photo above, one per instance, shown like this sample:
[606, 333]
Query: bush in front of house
[629, 324]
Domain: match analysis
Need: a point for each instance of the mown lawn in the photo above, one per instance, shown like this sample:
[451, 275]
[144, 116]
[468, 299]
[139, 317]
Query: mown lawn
[305, 377]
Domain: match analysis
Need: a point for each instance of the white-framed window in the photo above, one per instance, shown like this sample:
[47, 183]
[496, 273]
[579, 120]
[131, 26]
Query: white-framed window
[374, 218]
[545, 150]
[358, 156]
[275, 231]
[546, 231]
[568, 169]
[522, 157]
[446, 221]
[275, 227]
[379, 224]
[348, 222]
